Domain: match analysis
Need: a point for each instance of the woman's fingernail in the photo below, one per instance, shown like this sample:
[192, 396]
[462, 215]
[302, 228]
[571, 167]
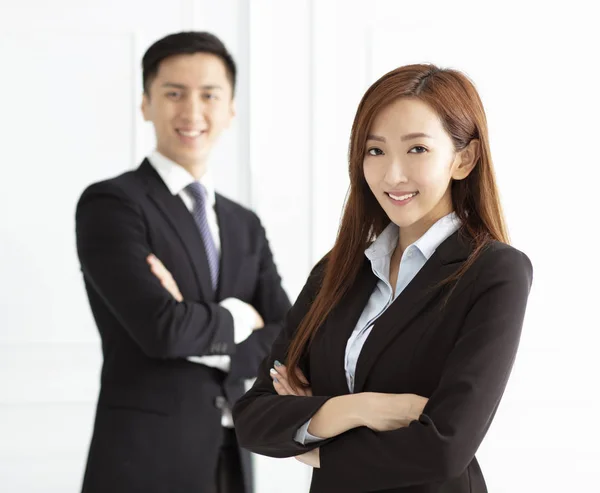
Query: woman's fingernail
[274, 371]
[275, 380]
[277, 363]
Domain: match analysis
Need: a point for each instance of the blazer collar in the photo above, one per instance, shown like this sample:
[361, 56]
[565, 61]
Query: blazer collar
[177, 214]
[421, 293]
[232, 254]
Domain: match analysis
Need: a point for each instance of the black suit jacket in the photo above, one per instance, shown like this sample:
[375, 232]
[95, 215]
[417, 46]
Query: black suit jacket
[457, 351]
[157, 425]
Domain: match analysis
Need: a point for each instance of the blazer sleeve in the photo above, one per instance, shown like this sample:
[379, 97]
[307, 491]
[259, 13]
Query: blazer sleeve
[272, 303]
[266, 422]
[112, 246]
[443, 441]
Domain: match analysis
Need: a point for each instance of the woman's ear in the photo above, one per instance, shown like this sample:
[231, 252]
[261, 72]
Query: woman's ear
[466, 160]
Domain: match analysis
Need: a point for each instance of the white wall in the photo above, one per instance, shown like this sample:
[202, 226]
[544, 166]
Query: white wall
[70, 90]
[535, 65]
[69, 93]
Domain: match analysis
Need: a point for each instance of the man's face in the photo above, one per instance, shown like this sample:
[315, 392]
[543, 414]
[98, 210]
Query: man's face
[190, 103]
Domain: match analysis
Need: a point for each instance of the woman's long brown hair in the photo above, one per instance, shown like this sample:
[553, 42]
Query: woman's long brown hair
[475, 199]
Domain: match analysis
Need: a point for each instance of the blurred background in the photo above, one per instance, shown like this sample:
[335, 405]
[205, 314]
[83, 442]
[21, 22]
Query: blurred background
[70, 90]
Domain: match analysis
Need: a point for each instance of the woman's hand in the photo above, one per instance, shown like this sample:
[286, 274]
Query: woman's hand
[283, 387]
[311, 458]
[386, 412]
[164, 276]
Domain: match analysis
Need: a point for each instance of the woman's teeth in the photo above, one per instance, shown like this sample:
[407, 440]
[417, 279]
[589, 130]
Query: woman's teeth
[403, 197]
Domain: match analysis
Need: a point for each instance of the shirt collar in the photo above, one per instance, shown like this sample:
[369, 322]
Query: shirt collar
[437, 234]
[176, 177]
[427, 244]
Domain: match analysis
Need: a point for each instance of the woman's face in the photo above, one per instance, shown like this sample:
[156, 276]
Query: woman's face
[409, 164]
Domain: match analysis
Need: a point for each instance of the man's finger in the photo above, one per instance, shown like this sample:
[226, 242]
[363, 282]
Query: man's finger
[154, 260]
[156, 265]
[160, 271]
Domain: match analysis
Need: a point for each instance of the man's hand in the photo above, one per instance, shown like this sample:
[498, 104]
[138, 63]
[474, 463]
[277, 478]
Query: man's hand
[166, 279]
[164, 276]
[312, 458]
[282, 385]
[259, 323]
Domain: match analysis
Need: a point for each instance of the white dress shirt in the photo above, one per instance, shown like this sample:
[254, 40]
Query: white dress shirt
[379, 254]
[177, 178]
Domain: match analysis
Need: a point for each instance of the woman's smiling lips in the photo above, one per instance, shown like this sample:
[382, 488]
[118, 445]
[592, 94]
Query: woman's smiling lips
[400, 198]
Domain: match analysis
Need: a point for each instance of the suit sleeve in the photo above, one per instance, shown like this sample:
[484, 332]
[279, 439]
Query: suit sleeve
[266, 422]
[112, 246]
[443, 441]
[272, 303]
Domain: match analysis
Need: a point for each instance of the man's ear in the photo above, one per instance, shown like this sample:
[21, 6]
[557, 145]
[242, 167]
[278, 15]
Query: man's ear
[145, 107]
[466, 160]
[232, 112]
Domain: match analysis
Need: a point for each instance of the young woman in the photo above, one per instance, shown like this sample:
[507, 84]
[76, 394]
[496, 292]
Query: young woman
[394, 358]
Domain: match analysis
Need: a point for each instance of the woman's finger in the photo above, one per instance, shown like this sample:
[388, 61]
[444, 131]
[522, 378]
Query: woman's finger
[305, 390]
[280, 371]
[301, 376]
[282, 381]
[279, 388]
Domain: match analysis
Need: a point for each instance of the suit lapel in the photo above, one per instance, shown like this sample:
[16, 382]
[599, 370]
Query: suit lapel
[343, 320]
[231, 255]
[177, 214]
[419, 293]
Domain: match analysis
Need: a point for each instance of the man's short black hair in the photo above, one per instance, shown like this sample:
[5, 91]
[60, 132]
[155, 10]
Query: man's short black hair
[185, 43]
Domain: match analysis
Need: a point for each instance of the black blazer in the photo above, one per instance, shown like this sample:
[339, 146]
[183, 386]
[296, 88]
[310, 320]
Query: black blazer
[458, 353]
[157, 425]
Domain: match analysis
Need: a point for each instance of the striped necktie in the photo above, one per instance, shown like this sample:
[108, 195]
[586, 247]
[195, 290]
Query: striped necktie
[198, 193]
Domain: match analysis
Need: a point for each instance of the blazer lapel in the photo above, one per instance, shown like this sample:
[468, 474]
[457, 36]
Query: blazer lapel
[342, 322]
[177, 214]
[420, 292]
[231, 256]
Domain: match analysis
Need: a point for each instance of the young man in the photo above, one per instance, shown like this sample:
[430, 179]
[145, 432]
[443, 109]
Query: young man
[183, 288]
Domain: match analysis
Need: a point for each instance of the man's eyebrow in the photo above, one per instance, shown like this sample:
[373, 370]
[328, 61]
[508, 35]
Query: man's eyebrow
[208, 87]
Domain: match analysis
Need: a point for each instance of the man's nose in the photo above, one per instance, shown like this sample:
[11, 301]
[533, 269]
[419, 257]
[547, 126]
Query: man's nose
[193, 110]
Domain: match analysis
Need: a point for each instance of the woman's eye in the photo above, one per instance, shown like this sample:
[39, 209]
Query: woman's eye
[417, 150]
[374, 151]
